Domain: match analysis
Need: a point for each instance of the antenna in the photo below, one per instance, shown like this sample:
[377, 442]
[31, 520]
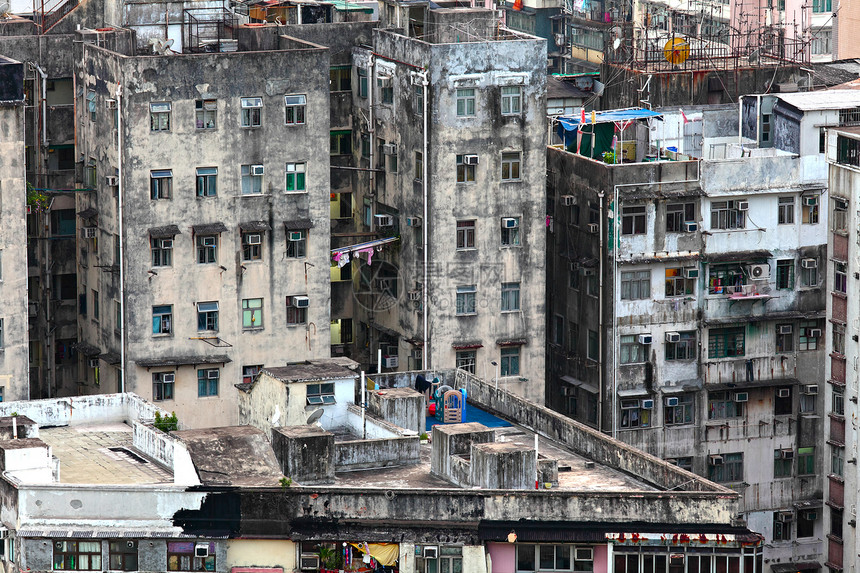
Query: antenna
[315, 416]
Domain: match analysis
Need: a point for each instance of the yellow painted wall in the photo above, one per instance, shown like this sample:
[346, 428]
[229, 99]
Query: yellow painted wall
[261, 553]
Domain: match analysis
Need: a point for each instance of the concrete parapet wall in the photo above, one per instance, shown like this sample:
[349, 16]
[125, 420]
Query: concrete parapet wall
[367, 454]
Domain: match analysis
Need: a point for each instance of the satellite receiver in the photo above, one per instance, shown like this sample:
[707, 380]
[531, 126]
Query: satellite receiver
[161, 46]
[314, 418]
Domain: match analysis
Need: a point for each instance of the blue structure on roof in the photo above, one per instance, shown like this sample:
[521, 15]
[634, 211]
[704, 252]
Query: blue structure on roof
[569, 124]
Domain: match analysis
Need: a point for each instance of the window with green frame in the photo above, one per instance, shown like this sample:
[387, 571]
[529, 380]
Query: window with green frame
[806, 461]
[340, 142]
[781, 464]
[726, 342]
[822, 6]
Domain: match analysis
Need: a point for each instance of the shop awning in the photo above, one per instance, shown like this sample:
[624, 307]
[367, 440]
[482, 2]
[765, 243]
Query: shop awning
[467, 345]
[182, 361]
[591, 388]
[209, 228]
[386, 553]
[87, 349]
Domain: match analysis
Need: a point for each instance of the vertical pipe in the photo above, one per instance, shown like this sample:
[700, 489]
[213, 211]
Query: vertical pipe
[379, 360]
[363, 402]
[425, 223]
[122, 331]
[602, 312]
[537, 471]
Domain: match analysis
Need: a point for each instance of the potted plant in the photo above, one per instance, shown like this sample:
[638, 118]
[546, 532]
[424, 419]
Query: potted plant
[424, 438]
[330, 559]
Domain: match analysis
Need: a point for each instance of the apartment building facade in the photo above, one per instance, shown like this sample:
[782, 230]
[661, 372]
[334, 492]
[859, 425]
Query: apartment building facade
[211, 180]
[448, 120]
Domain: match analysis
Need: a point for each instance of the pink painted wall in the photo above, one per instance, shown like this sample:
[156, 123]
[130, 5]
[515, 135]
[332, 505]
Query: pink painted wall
[601, 559]
[504, 556]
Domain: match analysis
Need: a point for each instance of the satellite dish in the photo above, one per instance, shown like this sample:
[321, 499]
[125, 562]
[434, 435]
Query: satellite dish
[4, 8]
[676, 51]
[616, 44]
[161, 46]
[315, 416]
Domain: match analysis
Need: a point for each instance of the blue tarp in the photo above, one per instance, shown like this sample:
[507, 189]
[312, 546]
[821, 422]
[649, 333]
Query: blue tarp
[567, 125]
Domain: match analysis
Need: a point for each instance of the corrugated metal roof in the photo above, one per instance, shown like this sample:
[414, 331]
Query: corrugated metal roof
[822, 100]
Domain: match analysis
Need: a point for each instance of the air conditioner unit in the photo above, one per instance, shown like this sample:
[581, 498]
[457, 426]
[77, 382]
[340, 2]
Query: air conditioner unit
[310, 562]
[647, 404]
[384, 220]
[559, 40]
[810, 200]
[208, 241]
[810, 515]
[431, 552]
[390, 361]
[257, 170]
[166, 243]
[168, 378]
[510, 223]
[784, 517]
[93, 362]
[783, 393]
[784, 329]
[809, 263]
[201, 550]
[673, 336]
[584, 554]
[414, 295]
[470, 159]
[294, 236]
[389, 149]
[759, 271]
[691, 273]
[645, 339]
[384, 81]
[568, 200]
[88, 232]
[111, 180]
[110, 103]
[253, 239]
[301, 302]
[741, 397]
[743, 205]
[588, 272]
[672, 401]
[814, 333]
[810, 389]
[715, 460]
[413, 221]
[593, 228]
[691, 227]
[786, 454]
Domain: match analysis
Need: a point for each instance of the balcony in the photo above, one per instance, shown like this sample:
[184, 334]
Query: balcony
[768, 369]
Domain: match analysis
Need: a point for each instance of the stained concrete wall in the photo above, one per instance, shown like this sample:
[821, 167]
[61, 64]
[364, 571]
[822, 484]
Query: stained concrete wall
[380, 453]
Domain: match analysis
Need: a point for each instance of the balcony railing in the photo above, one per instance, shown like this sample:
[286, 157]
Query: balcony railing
[740, 370]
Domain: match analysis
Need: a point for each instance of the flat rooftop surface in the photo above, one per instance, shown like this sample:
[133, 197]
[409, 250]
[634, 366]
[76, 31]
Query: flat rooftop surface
[101, 454]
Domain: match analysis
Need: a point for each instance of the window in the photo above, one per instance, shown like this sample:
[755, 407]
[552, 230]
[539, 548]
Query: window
[722, 405]
[635, 285]
[340, 142]
[822, 41]
[837, 461]
[782, 461]
[839, 338]
[677, 284]
[252, 179]
[252, 111]
[821, 6]
[123, 555]
[677, 214]
[465, 102]
[837, 401]
[726, 468]
[91, 174]
[839, 215]
[836, 516]
[465, 235]
[840, 277]
[91, 104]
[466, 299]
[785, 211]
[806, 461]
[809, 273]
[631, 351]
[95, 304]
[785, 274]
[593, 352]
[419, 166]
[784, 338]
[573, 277]
[160, 184]
[511, 166]
[466, 171]
[684, 348]
[77, 555]
[807, 403]
[1, 340]
[386, 89]
[207, 316]
[297, 310]
[782, 401]
[809, 212]
[782, 525]
[512, 100]
[252, 246]
[726, 342]
[511, 232]
[207, 249]
[295, 178]
[162, 252]
[162, 319]
[553, 558]
[510, 361]
[633, 220]
[806, 523]
[466, 360]
[207, 181]
[162, 386]
[362, 82]
[294, 109]
[510, 297]
[159, 116]
[558, 330]
[206, 113]
[252, 313]
[727, 215]
[682, 413]
[181, 556]
[207, 382]
[340, 78]
[319, 394]
[249, 373]
[685, 463]
[633, 415]
[418, 99]
[297, 244]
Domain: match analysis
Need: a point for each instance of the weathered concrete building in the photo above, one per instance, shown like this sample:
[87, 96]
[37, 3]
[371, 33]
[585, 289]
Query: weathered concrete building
[448, 132]
[199, 223]
[687, 308]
